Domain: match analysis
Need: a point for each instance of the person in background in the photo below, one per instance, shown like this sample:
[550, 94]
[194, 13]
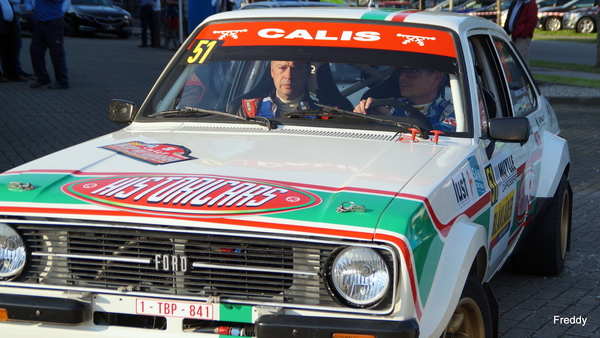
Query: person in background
[155, 25]
[520, 24]
[48, 34]
[147, 22]
[9, 27]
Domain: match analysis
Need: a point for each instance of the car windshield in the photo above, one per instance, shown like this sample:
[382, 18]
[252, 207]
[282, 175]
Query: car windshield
[236, 68]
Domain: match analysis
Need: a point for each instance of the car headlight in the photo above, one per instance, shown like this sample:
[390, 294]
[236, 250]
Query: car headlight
[12, 252]
[360, 276]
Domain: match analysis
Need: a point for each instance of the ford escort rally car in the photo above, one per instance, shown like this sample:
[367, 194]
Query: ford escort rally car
[209, 216]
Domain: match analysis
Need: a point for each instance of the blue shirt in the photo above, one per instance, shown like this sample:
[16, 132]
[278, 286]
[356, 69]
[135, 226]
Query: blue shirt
[48, 10]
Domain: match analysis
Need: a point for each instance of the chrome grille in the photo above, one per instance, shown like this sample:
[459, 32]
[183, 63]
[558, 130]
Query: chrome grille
[183, 262]
[109, 20]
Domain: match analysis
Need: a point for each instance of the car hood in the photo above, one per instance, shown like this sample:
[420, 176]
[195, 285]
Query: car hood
[307, 177]
[98, 10]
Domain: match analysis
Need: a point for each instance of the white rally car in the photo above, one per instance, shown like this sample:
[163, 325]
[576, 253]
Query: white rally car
[225, 209]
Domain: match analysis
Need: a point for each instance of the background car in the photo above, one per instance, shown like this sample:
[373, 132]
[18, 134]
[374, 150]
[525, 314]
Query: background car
[97, 16]
[551, 18]
[583, 20]
[490, 12]
[275, 4]
[394, 4]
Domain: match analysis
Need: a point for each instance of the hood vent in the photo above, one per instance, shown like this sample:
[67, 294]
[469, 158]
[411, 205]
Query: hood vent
[364, 135]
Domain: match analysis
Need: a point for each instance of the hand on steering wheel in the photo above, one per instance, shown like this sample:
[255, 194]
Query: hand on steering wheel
[370, 104]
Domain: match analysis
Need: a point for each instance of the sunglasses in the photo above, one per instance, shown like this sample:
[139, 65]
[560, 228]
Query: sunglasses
[410, 73]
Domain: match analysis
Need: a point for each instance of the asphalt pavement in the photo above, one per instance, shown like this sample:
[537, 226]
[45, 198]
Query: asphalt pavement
[36, 122]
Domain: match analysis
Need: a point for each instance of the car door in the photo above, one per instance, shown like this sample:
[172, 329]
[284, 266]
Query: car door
[511, 170]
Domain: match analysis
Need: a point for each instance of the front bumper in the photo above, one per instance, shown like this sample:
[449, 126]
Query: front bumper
[44, 309]
[276, 326]
[74, 314]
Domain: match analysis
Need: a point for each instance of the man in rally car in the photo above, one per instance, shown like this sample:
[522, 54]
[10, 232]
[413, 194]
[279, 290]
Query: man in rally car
[290, 92]
[422, 89]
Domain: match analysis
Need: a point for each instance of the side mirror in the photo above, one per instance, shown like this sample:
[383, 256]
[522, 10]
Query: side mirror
[509, 129]
[121, 111]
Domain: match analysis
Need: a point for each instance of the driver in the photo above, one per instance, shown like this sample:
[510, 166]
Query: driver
[421, 89]
[290, 92]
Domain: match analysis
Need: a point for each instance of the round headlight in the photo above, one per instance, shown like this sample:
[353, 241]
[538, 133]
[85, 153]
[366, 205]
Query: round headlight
[12, 252]
[360, 276]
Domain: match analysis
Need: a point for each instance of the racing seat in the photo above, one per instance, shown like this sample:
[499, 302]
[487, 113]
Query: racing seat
[322, 86]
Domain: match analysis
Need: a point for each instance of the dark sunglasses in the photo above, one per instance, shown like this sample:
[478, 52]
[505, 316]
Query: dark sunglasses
[410, 73]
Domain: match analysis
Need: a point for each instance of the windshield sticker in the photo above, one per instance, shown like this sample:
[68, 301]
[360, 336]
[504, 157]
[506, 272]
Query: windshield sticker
[153, 153]
[328, 34]
[191, 195]
[201, 50]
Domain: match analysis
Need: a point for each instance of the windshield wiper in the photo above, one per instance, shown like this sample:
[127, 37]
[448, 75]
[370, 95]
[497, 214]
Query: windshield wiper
[199, 112]
[329, 112]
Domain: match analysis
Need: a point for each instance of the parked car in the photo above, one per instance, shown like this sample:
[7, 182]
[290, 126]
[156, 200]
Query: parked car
[97, 16]
[583, 20]
[394, 4]
[276, 4]
[214, 213]
[551, 18]
[491, 12]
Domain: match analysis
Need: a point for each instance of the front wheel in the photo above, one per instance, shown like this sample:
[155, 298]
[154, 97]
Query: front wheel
[553, 24]
[472, 317]
[586, 25]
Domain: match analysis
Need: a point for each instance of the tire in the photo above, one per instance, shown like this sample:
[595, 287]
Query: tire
[545, 252]
[586, 25]
[553, 24]
[473, 315]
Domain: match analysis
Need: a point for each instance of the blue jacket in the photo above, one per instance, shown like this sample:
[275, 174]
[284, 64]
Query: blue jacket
[48, 10]
[266, 108]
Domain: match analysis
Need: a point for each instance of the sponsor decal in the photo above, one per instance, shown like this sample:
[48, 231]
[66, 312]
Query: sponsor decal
[230, 33]
[489, 174]
[538, 138]
[191, 195]
[153, 153]
[502, 217]
[463, 188]
[321, 34]
[419, 40]
[526, 190]
[505, 172]
[476, 172]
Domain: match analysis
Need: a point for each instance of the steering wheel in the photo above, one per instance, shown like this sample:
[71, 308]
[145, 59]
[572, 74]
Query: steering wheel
[409, 110]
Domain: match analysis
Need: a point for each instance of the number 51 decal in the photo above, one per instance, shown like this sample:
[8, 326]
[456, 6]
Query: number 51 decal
[201, 51]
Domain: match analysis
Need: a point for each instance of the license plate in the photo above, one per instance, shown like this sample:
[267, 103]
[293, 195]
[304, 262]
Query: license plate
[155, 307]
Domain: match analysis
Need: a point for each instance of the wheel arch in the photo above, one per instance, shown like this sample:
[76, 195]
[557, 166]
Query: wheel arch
[464, 253]
[555, 163]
